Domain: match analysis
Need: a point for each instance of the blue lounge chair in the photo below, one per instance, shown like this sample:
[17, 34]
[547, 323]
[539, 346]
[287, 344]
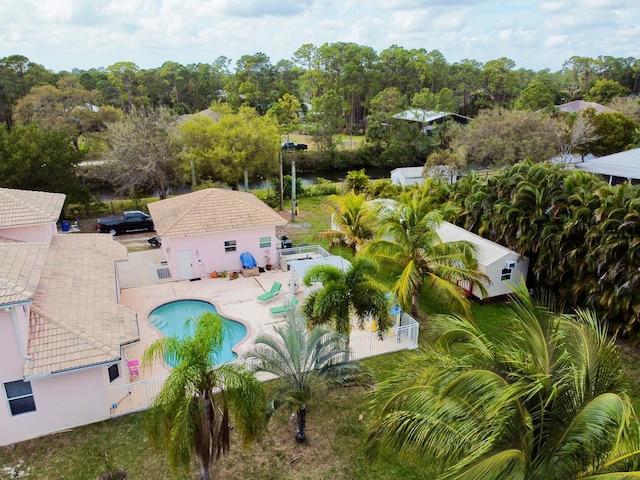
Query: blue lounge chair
[281, 310]
[271, 294]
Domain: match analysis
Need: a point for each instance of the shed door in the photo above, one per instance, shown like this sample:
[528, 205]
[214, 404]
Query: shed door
[185, 262]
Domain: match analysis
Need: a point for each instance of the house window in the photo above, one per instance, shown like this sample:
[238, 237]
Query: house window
[114, 372]
[505, 274]
[230, 246]
[20, 397]
[265, 242]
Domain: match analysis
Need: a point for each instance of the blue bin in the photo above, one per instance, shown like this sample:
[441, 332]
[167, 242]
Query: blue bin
[65, 226]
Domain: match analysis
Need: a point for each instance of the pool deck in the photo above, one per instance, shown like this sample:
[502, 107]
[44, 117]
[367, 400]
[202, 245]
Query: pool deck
[234, 299]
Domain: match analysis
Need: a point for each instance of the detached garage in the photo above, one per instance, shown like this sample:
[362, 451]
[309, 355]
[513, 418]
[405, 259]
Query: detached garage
[504, 267]
[207, 230]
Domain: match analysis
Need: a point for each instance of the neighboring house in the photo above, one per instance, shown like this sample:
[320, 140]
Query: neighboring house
[503, 267]
[616, 168]
[430, 120]
[406, 176]
[207, 230]
[61, 328]
[580, 105]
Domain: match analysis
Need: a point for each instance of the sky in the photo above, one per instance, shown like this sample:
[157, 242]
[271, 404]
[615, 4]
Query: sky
[536, 35]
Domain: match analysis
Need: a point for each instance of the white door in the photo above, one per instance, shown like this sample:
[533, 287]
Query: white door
[185, 263]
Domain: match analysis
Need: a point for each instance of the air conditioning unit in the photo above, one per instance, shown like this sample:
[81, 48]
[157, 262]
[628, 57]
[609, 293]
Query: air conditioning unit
[510, 264]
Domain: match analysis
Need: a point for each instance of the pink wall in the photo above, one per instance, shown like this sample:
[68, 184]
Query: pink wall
[210, 248]
[34, 233]
[10, 360]
[62, 401]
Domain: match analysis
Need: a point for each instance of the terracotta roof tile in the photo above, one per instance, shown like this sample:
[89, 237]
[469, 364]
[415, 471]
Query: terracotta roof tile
[211, 210]
[21, 265]
[76, 320]
[24, 207]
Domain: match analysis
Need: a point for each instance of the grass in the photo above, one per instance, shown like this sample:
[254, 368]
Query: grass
[335, 447]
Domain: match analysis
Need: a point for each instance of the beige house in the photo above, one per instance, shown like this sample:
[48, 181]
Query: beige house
[207, 230]
[61, 328]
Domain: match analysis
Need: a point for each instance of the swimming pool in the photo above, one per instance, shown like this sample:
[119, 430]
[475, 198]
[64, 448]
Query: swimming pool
[170, 319]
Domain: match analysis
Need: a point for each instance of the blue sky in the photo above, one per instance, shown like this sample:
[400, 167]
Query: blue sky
[66, 34]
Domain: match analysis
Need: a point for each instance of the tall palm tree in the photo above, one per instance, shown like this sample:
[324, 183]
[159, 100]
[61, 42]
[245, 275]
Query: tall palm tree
[545, 402]
[352, 221]
[343, 293]
[408, 237]
[191, 415]
[307, 364]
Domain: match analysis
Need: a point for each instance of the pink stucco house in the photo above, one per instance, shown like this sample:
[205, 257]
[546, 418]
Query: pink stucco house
[62, 330]
[207, 230]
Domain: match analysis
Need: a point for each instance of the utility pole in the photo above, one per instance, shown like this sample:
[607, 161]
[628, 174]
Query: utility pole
[293, 190]
[281, 182]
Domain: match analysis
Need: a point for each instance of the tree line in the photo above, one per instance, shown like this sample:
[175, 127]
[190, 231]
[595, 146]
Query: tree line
[338, 88]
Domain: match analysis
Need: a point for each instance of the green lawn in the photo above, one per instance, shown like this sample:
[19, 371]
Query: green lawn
[335, 447]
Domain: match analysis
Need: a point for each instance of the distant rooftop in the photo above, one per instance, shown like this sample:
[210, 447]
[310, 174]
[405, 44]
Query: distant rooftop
[579, 105]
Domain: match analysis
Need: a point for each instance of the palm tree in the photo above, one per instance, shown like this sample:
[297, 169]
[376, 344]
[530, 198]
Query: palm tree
[546, 401]
[191, 414]
[408, 237]
[307, 364]
[352, 222]
[342, 293]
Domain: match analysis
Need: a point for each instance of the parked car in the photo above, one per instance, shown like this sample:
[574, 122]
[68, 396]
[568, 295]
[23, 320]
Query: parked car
[284, 241]
[294, 146]
[130, 221]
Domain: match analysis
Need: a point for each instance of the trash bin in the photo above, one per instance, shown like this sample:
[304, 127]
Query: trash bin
[65, 226]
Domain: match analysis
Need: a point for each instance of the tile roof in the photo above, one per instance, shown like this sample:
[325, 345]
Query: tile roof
[21, 265]
[75, 318]
[211, 210]
[579, 105]
[25, 207]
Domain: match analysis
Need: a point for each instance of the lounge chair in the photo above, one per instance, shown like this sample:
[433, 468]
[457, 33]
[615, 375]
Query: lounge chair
[271, 294]
[133, 368]
[281, 310]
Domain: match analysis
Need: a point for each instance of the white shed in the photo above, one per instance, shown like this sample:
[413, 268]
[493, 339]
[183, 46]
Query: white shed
[504, 267]
[406, 176]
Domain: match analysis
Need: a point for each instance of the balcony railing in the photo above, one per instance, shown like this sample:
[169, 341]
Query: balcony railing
[139, 395]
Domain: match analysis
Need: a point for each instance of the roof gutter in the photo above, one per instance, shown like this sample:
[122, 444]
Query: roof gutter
[16, 328]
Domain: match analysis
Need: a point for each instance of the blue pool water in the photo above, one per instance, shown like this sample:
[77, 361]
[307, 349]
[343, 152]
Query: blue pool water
[170, 319]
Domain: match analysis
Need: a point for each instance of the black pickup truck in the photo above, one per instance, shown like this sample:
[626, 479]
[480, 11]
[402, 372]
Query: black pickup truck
[293, 146]
[131, 221]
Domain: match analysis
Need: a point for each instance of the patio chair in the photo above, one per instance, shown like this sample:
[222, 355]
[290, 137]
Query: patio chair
[281, 310]
[133, 368]
[271, 294]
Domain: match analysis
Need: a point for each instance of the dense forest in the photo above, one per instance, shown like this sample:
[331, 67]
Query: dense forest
[133, 120]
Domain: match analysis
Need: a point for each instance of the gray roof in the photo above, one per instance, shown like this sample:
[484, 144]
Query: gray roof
[579, 105]
[623, 164]
[409, 172]
[426, 116]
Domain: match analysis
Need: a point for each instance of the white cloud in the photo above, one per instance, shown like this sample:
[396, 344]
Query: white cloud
[63, 34]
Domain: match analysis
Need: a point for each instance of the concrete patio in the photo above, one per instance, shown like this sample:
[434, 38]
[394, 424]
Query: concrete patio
[234, 299]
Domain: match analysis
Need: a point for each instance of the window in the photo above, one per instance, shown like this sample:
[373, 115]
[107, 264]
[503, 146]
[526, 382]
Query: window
[230, 246]
[265, 242]
[505, 274]
[20, 397]
[114, 372]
